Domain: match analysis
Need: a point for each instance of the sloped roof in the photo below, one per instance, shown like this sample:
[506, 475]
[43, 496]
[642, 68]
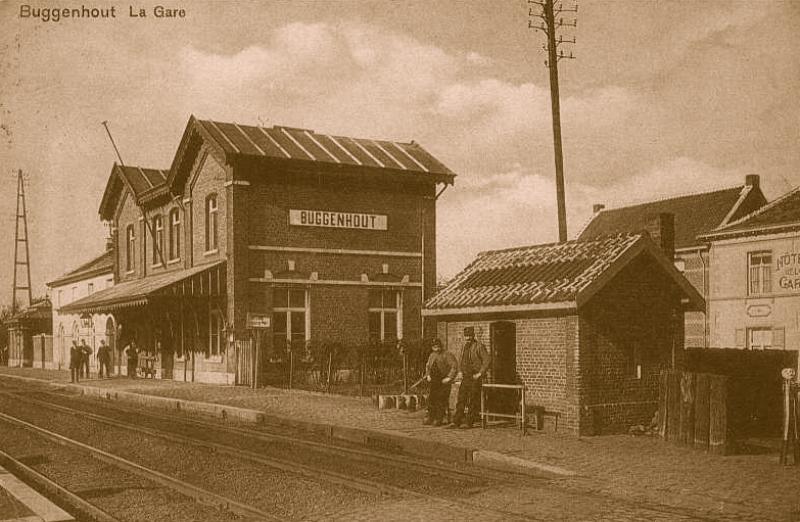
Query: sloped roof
[290, 143]
[39, 310]
[556, 275]
[133, 293]
[144, 183]
[694, 214]
[276, 143]
[783, 212]
[102, 264]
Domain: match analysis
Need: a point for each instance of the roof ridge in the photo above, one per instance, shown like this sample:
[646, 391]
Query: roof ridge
[303, 129]
[557, 243]
[758, 211]
[670, 198]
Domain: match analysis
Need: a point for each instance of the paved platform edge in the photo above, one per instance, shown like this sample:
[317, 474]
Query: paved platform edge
[376, 439]
[42, 508]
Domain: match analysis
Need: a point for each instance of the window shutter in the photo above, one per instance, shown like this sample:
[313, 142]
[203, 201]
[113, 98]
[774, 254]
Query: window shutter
[740, 338]
[778, 338]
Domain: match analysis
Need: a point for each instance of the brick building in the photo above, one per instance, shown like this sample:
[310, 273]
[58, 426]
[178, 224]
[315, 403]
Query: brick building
[297, 235]
[585, 326]
[88, 278]
[754, 299]
[28, 332]
[693, 215]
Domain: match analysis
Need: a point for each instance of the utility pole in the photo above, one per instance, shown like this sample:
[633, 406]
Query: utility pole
[17, 240]
[550, 13]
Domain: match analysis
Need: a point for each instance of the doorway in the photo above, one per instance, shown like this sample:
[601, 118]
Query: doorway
[503, 352]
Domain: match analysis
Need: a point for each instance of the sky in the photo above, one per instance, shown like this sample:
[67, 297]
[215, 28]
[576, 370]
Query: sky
[664, 98]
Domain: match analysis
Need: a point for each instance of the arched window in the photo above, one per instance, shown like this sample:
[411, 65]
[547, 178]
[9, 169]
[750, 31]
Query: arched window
[211, 222]
[174, 234]
[158, 239]
[130, 249]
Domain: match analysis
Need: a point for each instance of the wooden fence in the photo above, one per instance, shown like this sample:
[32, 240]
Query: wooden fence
[693, 411]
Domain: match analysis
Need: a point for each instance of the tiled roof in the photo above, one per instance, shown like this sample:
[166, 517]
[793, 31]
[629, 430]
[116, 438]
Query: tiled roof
[694, 215]
[290, 143]
[133, 293]
[783, 211]
[552, 273]
[104, 263]
[142, 179]
[275, 143]
[38, 310]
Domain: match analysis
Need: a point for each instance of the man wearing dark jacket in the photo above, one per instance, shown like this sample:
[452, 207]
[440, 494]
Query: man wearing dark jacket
[439, 371]
[87, 353]
[472, 367]
[75, 361]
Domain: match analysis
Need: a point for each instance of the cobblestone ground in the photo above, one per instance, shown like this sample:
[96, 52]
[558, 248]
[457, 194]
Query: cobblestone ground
[641, 470]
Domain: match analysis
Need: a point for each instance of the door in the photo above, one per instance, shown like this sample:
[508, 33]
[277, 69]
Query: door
[504, 352]
[504, 366]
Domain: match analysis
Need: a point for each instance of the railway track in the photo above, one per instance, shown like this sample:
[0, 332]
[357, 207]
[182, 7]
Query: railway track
[66, 499]
[139, 492]
[469, 479]
[253, 443]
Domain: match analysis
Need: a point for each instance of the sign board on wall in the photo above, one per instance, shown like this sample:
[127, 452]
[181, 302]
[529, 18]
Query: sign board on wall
[787, 270]
[258, 320]
[326, 218]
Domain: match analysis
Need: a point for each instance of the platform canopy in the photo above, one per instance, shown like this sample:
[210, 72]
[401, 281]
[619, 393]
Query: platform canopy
[198, 281]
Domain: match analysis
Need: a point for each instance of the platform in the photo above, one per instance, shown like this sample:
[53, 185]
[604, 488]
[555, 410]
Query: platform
[20, 503]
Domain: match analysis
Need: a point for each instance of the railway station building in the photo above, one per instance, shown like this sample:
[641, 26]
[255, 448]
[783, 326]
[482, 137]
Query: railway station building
[585, 326]
[94, 275]
[281, 235]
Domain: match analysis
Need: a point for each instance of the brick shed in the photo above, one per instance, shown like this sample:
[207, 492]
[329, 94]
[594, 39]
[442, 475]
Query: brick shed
[585, 326]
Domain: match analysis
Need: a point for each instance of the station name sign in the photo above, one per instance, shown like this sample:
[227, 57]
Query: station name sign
[326, 218]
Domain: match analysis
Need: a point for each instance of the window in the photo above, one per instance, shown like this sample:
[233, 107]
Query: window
[74, 292]
[130, 249]
[211, 223]
[216, 326]
[90, 289]
[385, 322]
[158, 239]
[289, 320]
[60, 297]
[174, 234]
[759, 273]
[759, 338]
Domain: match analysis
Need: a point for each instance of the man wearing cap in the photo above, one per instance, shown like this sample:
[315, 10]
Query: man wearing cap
[472, 367]
[439, 371]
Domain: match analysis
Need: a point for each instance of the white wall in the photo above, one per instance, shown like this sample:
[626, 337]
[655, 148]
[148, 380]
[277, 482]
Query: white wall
[731, 309]
[92, 334]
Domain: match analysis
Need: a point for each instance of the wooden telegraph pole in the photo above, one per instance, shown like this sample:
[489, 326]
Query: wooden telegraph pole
[550, 13]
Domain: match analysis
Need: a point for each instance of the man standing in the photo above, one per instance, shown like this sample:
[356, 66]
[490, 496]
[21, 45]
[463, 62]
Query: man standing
[133, 359]
[75, 362]
[87, 352]
[439, 371]
[472, 367]
[104, 359]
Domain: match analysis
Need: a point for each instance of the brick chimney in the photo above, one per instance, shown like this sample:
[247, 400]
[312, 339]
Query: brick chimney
[752, 180]
[661, 228]
[597, 207]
